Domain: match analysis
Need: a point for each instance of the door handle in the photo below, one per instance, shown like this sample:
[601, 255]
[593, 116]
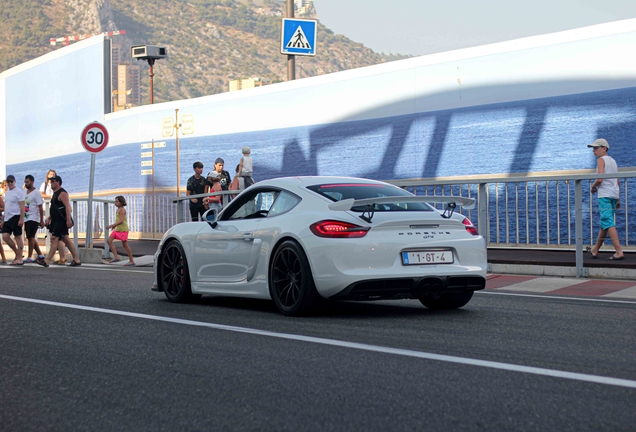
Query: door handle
[247, 236]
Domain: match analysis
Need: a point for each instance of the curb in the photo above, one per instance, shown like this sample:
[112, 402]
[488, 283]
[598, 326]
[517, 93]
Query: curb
[562, 271]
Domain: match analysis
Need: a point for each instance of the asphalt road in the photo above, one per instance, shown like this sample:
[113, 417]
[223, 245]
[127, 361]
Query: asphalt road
[87, 349]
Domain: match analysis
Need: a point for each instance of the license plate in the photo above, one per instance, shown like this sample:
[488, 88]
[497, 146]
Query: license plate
[427, 257]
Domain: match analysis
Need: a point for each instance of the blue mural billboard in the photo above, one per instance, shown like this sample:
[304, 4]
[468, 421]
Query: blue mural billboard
[515, 137]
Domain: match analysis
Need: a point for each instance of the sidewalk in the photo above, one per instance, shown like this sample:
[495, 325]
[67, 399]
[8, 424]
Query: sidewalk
[560, 263]
[582, 287]
[532, 262]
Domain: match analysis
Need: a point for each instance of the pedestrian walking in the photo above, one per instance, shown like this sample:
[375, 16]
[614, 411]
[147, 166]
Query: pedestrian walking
[13, 222]
[196, 185]
[59, 222]
[3, 258]
[608, 199]
[33, 218]
[47, 194]
[120, 232]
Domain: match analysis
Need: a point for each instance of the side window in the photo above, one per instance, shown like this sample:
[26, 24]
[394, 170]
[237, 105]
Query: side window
[254, 205]
[284, 203]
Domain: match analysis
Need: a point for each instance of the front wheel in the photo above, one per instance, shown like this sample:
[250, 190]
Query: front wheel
[447, 301]
[291, 283]
[173, 275]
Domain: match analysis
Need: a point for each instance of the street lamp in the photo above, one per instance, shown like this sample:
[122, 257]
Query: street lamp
[150, 53]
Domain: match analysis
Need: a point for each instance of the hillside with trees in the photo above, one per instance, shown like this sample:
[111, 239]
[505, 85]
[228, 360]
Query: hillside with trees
[210, 42]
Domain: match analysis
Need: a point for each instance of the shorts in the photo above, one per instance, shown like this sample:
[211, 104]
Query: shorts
[58, 228]
[31, 228]
[11, 226]
[607, 209]
[119, 235]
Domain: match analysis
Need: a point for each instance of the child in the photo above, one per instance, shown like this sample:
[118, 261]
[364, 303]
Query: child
[120, 231]
[245, 167]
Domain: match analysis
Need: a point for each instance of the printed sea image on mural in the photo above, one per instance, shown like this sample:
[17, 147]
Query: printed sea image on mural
[517, 137]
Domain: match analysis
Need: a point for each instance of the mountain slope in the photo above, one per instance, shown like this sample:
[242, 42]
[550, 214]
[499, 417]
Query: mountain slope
[209, 41]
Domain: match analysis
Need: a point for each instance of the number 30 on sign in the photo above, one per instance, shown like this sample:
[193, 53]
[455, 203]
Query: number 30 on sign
[94, 137]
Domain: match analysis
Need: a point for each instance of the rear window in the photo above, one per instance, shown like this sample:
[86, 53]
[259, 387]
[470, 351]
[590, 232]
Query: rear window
[357, 191]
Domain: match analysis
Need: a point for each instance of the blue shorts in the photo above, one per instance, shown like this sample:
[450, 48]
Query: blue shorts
[607, 209]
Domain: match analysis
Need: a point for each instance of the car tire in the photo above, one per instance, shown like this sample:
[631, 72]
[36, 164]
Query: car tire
[447, 301]
[173, 274]
[291, 284]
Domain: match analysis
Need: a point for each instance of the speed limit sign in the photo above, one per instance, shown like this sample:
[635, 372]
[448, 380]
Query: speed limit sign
[94, 137]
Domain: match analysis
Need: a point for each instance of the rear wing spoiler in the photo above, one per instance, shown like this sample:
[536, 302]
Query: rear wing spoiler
[452, 201]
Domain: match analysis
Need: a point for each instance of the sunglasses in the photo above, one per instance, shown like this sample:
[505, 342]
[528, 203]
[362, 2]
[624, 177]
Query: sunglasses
[9, 181]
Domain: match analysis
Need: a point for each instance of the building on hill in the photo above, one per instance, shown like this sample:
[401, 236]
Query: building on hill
[128, 90]
[304, 8]
[242, 84]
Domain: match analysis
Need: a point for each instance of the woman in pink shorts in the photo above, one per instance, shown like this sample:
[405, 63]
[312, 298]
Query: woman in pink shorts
[120, 232]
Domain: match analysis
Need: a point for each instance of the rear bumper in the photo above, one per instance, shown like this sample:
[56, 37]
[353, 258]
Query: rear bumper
[410, 288]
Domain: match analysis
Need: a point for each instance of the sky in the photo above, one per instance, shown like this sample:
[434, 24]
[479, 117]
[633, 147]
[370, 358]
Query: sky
[419, 27]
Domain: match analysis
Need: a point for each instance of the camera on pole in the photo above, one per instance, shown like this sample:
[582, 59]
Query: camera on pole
[150, 53]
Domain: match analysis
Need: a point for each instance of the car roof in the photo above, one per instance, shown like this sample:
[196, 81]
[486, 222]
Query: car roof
[305, 181]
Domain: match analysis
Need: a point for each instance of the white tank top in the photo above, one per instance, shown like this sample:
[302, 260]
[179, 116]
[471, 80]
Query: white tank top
[609, 187]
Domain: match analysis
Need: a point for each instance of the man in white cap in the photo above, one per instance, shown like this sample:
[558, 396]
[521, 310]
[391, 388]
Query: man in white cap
[608, 199]
[14, 200]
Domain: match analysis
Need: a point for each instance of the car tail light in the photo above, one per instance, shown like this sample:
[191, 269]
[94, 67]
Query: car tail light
[337, 229]
[470, 227]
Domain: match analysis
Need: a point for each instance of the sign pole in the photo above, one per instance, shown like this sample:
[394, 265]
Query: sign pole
[176, 125]
[291, 59]
[94, 139]
[154, 199]
[89, 216]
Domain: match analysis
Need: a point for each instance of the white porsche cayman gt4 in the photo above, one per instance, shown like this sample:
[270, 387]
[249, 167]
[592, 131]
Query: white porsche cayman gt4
[300, 241]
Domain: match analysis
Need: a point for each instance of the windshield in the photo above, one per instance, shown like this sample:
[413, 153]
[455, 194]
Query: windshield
[342, 191]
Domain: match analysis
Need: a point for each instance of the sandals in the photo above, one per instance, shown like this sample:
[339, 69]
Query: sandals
[74, 264]
[60, 262]
[128, 264]
[114, 261]
[29, 261]
[589, 250]
[42, 263]
[615, 258]
[17, 263]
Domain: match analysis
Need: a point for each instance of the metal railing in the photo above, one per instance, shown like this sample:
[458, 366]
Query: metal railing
[182, 201]
[83, 222]
[79, 213]
[544, 211]
[536, 212]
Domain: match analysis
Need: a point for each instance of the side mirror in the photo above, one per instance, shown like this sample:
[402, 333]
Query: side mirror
[210, 217]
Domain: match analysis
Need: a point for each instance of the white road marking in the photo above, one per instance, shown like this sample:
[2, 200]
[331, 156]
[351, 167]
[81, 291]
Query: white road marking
[353, 345]
[543, 284]
[552, 297]
[626, 293]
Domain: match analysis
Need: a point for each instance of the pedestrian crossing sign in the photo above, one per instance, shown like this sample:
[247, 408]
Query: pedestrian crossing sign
[298, 37]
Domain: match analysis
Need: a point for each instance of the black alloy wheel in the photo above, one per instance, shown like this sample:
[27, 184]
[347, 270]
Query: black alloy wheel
[447, 301]
[173, 274]
[291, 283]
